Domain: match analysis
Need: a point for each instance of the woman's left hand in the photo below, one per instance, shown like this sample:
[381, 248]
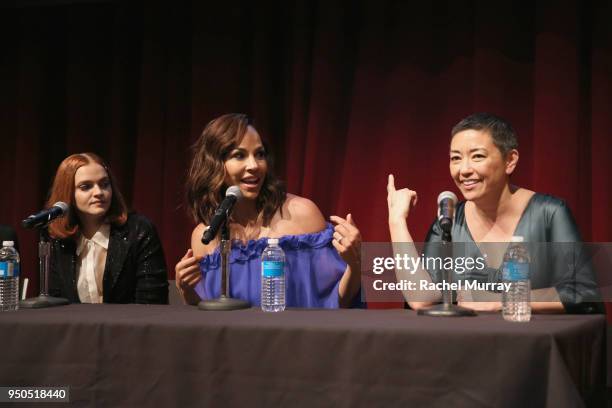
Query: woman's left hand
[347, 240]
[482, 306]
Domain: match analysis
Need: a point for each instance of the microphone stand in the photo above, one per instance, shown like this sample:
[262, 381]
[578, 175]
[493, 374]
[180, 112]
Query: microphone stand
[44, 261]
[446, 308]
[224, 302]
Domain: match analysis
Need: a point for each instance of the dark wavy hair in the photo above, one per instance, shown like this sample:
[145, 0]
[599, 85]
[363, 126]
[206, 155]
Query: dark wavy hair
[205, 181]
[501, 131]
[63, 190]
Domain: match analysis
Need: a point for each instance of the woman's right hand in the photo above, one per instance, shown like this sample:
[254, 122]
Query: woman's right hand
[399, 201]
[187, 275]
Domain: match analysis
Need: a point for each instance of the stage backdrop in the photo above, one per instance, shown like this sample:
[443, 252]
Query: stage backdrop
[347, 92]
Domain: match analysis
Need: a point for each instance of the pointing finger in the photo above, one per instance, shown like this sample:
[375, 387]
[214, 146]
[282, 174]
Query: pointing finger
[345, 227]
[337, 220]
[391, 184]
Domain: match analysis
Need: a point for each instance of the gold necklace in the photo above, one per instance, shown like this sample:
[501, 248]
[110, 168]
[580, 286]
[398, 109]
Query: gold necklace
[250, 231]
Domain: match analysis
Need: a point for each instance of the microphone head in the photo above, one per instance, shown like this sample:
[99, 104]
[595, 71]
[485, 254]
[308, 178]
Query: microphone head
[61, 205]
[234, 191]
[446, 210]
[447, 195]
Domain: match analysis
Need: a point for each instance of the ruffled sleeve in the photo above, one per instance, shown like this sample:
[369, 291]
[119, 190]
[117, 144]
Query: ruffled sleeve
[313, 270]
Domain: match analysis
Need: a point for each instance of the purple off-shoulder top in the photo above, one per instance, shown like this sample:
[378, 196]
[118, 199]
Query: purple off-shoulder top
[313, 270]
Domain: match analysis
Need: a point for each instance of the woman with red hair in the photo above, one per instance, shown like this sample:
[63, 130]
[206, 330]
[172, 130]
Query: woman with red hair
[102, 253]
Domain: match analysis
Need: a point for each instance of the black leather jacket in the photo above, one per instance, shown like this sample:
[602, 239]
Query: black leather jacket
[135, 270]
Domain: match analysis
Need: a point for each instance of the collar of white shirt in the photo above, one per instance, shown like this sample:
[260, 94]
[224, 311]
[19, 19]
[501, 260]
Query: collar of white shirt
[101, 238]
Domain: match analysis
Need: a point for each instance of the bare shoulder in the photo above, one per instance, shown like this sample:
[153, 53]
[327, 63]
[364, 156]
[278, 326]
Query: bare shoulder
[300, 216]
[198, 248]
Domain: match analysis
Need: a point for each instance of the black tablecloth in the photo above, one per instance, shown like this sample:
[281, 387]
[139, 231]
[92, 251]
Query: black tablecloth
[139, 355]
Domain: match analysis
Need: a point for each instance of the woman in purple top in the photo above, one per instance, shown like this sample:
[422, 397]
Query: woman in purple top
[322, 260]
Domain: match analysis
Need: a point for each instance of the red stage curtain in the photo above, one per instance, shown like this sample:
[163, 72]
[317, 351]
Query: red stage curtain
[346, 91]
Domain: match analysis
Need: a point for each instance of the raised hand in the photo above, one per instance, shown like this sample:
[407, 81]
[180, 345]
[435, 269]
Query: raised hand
[399, 201]
[347, 239]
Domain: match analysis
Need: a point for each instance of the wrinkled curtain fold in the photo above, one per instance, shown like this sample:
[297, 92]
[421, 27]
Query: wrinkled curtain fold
[346, 92]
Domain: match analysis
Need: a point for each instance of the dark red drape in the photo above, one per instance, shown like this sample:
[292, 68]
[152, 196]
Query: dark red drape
[346, 91]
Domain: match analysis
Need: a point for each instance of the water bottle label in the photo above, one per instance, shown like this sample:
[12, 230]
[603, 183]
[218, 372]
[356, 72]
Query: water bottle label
[272, 269]
[514, 271]
[7, 270]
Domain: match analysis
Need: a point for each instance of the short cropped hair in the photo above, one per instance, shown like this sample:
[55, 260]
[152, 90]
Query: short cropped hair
[501, 131]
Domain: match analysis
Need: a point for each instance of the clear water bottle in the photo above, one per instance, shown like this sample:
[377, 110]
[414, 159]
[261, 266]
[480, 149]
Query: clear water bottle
[273, 277]
[515, 302]
[9, 277]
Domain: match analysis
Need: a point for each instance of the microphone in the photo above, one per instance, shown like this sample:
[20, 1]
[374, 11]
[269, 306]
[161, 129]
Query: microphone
[446, 210]
[44, 217]
[232, 195]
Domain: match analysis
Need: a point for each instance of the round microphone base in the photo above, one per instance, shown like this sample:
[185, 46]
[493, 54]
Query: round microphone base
[446, 310]
[42, 301]
[224, 303]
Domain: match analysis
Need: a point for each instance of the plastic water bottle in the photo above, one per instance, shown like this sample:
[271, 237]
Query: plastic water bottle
[515, 302]
[273, 277]
[9, 277]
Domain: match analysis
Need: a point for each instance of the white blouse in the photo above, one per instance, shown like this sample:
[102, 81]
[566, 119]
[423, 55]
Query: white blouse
[91, 260]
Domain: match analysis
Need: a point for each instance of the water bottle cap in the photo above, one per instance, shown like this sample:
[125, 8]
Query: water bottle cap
[272, 241]
[8, 243]
[517, 238]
